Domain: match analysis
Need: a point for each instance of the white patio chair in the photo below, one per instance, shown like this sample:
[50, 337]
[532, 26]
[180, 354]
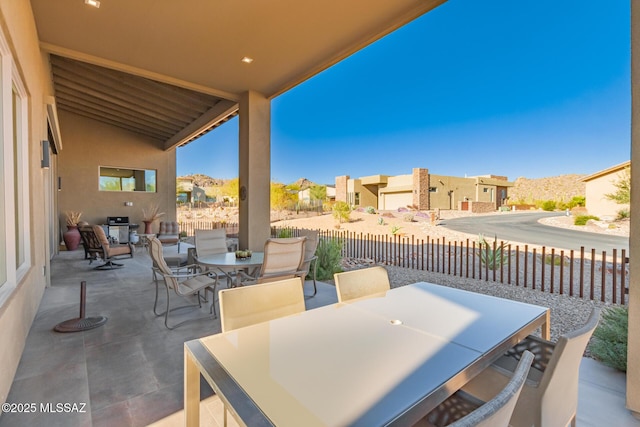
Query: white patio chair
[362, 282]
[464, 410]
[183, 284]
[245, 306]
[282, 260]
[310, 263]
[550, 394]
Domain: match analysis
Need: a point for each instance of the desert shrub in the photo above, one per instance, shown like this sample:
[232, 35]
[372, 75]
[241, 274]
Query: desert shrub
[381, 220]
[583, 219]
[549, 205]
[576, 201]
[408, 217]
[401, 209]
[342, 211]
[395, 229]
[421, 214]
[329, 253]
[370, 210]
[623, 214]
[493, 259]
[609, 343]
[284, 233]
[557, 260]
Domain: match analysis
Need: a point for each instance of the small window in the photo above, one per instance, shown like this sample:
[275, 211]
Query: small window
[485, 190]
[433, 189]
[357, 200]
[121, 179]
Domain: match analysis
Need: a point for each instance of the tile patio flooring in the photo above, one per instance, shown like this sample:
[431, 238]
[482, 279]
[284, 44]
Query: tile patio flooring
[129, 372]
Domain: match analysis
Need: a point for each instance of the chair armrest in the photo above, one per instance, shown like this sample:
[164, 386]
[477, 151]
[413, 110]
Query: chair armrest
[542, 351]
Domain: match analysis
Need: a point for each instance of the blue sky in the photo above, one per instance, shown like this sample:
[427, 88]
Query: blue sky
[501, 87]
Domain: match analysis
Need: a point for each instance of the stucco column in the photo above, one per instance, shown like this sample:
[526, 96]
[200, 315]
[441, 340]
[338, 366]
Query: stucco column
[633, 355]
[255, 170]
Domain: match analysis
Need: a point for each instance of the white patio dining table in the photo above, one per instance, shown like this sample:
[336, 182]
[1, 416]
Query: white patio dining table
[382, 360]
[226, 262]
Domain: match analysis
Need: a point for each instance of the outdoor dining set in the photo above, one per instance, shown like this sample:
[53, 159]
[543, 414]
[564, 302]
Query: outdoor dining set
[420, 354]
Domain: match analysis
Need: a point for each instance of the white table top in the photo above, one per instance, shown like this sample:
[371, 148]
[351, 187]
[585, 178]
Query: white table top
[371, 361]
[228, 259]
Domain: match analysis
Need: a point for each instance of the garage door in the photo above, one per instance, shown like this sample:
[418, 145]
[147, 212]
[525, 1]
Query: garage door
[392, 201]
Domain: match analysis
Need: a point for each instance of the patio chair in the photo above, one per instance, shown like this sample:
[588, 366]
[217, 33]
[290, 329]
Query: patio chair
[96, 245]
[169, 233]
[211, 242]
[550, 394]
[282, 260]
[463, 410]
[310, 258]
[249, 305]
[360, 283]
[189, 283]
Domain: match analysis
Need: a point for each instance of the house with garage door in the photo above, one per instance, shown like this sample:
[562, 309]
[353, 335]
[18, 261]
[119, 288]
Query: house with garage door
[424, 191]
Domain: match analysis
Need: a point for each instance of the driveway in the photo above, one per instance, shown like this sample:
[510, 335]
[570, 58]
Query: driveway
[524, 228]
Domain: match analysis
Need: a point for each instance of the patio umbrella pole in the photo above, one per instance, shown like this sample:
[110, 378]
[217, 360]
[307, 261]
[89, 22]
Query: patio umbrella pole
[80, 323]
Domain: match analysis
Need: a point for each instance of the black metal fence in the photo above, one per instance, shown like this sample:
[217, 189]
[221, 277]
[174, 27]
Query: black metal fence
[587, 274]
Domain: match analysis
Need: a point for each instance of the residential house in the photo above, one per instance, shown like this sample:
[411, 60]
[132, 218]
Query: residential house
[87, 91]
[424, 190]
[601, 183]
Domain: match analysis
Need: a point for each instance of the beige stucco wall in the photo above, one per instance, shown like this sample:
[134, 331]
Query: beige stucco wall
[460, 188]
[89, 144]
[18, 309]
[596, 202]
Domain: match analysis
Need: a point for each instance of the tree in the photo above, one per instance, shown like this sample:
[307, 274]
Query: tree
[342, 211]
[231, 188]
[623, 185]
[282, 196]
[318, 192]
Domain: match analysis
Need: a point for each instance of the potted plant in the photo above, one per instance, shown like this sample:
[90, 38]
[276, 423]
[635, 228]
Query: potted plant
[71, 237]
[149, 216]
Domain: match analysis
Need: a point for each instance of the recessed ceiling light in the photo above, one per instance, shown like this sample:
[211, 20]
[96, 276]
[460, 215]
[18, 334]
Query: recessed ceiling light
[247, 60]
[94, 3]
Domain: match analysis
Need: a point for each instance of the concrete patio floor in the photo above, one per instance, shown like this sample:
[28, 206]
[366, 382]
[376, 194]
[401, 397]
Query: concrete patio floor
[129, 372]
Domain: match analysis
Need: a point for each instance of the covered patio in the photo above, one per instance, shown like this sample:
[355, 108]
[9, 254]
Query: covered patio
[117, 86]
[129, 372]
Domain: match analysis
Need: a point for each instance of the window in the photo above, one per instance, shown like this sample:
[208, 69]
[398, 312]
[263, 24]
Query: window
[14, 167]
[357, 200]
[433, 189]
[122, 179]
[485, 190]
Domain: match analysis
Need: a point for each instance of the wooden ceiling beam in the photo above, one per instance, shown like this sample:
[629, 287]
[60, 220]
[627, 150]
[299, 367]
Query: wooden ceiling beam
[208, 120]
[169, 92]
[151, 132]
[122, 113]
[116, 94]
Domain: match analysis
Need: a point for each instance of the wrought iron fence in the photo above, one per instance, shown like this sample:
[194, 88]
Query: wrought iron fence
[585, 273]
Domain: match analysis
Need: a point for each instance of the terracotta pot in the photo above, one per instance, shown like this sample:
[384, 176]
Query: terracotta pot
[147, 227]
[71, 237]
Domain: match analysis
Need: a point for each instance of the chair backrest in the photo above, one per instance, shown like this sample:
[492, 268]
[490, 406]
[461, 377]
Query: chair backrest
[210, 242]
[89, 239]
[362, 282]
[169, 227]
[282, 258]
[497, 412]
[101, 236]
[310, 247]
[559, 384]
[249, 305]
[157, 255]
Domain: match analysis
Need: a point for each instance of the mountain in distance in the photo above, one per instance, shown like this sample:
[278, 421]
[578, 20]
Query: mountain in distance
[558, 188]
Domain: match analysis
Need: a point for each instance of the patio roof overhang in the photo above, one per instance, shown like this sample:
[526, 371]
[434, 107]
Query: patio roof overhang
[185, 58]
